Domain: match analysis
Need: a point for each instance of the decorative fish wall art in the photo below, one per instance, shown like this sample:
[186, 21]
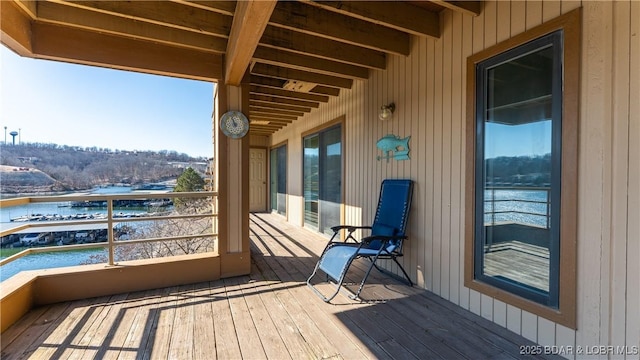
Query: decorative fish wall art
[393, 147]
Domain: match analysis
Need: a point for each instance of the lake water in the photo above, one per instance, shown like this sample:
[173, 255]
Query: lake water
[60, 208]
[514, 205]
[48, 261]
[53, 259]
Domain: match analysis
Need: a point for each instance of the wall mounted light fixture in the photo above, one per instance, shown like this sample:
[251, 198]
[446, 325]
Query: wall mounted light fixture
[386, 111]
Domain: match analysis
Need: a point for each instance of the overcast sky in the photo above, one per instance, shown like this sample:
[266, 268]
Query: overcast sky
[67, 104]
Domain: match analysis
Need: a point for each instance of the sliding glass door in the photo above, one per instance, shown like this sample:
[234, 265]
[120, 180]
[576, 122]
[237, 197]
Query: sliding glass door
[279, 180]
[322, 177]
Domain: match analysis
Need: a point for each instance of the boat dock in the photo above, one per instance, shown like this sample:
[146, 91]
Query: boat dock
[61, 235]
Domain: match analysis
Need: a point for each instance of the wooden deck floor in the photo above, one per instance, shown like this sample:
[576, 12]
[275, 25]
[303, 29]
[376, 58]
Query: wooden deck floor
[268, 314]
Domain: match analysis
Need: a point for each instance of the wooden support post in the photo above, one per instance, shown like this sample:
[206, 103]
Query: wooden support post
[233, 184]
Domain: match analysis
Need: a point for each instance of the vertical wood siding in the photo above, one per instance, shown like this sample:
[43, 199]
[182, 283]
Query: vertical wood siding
[428, 90]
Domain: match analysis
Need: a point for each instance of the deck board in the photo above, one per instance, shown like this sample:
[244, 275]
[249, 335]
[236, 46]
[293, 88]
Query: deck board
[268, 314]
[144, 325]
[204, 338]
[273, 345]
[246, 331]
[227, 346]
[127, 337]
[181, 341]
[159, 335]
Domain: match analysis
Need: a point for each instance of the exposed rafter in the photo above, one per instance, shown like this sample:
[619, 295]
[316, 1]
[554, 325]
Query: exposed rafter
[219, 6]
[309, 63]
[267, 110]
[302, 43]
[163, 13]
[277, 105]
[301, 75]
[466, 7]
[288, 94]
[81, 46]
[268, 115]
[311, 20]
[300, 53]
[326, 90]
[394, 14]
[83, 18]
[288, 101]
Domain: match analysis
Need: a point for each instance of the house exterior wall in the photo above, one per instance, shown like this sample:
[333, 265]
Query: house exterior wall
[428, 88]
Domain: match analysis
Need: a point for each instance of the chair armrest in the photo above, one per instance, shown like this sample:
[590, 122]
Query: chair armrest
[350, 228]
[384, 239]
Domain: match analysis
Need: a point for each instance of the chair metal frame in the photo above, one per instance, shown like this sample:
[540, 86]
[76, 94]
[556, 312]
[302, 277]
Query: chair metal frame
[343, 253]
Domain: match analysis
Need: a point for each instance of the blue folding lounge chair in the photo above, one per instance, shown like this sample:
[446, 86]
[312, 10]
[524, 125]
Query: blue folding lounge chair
[385, 241]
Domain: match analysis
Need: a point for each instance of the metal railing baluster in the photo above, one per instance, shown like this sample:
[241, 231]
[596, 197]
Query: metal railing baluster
[110, 221]
[110, 231]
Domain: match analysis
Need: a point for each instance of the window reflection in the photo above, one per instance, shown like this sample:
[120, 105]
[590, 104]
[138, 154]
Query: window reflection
[517, 176]
[323, 179]
[279, 180]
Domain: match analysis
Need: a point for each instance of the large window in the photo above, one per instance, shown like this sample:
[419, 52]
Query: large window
[517, 174]
[322, 179]
[278, 176]
[521, 210]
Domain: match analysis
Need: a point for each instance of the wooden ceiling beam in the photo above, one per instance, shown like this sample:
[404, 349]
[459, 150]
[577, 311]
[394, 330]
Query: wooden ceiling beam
[269, 126]
[292, 60]
[262, 115]
[265, 128]
[88, 47]
[272, 124]
[164, 13]
[473, 8]
[15, 28]
[395, 14]
[293, 41]
[56, 13]
[221, 7]
[269, 110]
[249, 21]
[30, 7]
[262, 131]
[272, 118]
[277, 105]
[293, 74]
[287, 101]
[281, 93]
[267, 81]
[300, 43]
[320, 90]
[326, 90]
[301, 17]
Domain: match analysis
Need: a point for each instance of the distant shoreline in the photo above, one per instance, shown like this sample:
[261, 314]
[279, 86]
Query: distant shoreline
[38, 193]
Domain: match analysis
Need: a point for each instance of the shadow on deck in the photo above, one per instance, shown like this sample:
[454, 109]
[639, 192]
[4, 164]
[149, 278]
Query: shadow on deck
[268, 314]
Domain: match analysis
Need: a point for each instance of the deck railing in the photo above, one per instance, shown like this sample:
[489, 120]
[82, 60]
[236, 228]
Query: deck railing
[111, 220]
[516, 204]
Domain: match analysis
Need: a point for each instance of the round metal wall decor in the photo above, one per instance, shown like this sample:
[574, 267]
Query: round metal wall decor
[234, 124]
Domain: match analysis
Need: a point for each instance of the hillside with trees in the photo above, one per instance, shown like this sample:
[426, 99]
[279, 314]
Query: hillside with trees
[519, 170]
[78, 168]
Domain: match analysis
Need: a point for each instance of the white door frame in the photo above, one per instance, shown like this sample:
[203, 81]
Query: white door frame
[257, 204]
